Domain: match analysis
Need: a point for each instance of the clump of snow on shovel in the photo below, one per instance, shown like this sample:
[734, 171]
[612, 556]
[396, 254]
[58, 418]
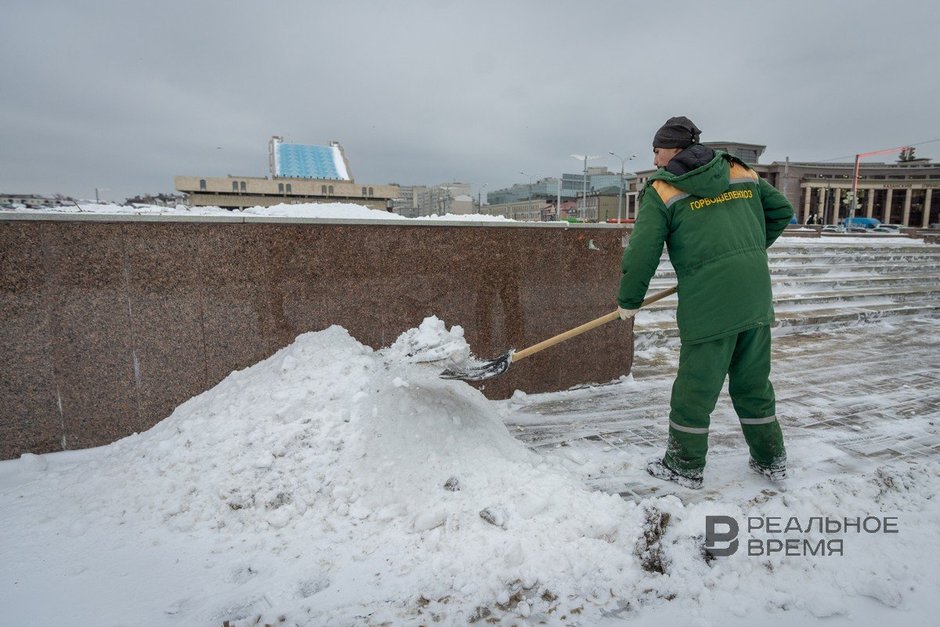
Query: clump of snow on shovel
[430, 342]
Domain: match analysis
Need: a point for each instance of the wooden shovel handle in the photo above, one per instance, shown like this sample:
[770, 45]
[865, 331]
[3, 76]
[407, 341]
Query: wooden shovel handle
[587, 326]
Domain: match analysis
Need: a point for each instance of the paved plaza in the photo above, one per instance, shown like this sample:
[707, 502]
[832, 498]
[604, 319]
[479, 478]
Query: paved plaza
[847, 399]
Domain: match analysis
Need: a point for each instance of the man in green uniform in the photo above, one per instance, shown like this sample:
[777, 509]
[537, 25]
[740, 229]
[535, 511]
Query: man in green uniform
[717, 218]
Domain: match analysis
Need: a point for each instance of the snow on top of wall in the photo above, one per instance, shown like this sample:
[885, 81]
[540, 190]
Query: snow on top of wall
[325, 211]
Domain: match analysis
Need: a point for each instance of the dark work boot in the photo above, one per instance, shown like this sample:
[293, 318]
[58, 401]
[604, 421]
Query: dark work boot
[660, 470]
[774, 473]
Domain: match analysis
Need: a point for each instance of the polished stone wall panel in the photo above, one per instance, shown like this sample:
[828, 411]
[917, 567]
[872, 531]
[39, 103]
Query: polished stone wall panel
[90, 322]
[236, 311]
[166, 315]
[29, 413]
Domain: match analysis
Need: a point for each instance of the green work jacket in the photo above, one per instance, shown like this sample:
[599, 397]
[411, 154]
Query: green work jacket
[717, 222]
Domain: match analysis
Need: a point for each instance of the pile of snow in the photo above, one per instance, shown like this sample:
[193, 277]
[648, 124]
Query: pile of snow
[319, 211]
[336, 484]
[326, 482]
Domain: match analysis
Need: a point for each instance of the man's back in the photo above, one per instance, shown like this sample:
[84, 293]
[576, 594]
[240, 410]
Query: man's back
[717, 221]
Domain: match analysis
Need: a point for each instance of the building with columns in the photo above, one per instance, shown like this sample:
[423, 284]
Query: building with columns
[906, 193]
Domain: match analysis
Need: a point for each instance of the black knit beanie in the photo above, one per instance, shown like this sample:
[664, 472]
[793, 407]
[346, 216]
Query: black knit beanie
[677, 132]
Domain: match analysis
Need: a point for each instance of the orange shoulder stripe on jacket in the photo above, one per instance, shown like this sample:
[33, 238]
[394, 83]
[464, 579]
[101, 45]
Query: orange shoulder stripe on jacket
[667, 193]
[739, 171]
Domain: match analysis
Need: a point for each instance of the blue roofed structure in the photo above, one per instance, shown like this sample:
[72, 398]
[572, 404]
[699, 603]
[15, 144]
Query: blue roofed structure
[306, 161]
[299, 174]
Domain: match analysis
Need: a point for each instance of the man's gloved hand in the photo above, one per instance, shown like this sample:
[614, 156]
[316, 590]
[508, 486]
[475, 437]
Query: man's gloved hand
[626, 314]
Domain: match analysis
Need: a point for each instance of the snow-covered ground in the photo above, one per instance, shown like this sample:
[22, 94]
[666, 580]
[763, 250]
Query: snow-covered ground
[859, 407]
[332, 484]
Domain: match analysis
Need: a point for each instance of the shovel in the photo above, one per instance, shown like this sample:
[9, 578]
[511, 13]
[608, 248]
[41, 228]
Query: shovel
[496, 367]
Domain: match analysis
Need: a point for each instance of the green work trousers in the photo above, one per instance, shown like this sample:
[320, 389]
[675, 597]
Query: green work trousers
[745, 359]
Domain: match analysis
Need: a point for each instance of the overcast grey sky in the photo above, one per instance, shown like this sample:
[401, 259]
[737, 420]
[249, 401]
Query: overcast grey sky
[125, 94]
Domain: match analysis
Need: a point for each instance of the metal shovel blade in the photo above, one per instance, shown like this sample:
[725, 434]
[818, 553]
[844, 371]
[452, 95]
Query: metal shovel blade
[480, 371]
[496, 367]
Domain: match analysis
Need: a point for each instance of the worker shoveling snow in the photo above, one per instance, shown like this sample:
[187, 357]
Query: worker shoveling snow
[335, 484]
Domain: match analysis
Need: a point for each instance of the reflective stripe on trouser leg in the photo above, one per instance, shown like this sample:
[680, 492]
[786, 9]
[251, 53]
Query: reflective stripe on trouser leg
[701, 375]
[692, 430]
[752, 395]
[758, 421]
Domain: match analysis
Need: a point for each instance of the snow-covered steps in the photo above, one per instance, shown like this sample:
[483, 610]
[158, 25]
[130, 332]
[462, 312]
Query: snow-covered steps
[657, 332]
[826, 285]
[831, 287]
[835, 267]
[857, 297]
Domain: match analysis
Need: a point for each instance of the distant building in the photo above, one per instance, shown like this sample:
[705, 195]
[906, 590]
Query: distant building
[545, 189]
[462, 204]
[601, 177]
[34, 201]
[453, 198]
[535, 210]
[602, 205]
[159, 200]
[572, 186]
[598, 177]
[300, 173]
[748, 153]
[894, 193]
[406, 204]
[422, 200]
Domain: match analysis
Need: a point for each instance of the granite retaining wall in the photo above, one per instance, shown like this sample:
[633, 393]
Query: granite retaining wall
[108, 323]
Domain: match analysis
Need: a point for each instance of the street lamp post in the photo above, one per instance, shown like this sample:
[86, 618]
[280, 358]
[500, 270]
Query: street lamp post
[858, 158]
[530, 186]
[583, 205]
[100, 189]
[623, 161]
